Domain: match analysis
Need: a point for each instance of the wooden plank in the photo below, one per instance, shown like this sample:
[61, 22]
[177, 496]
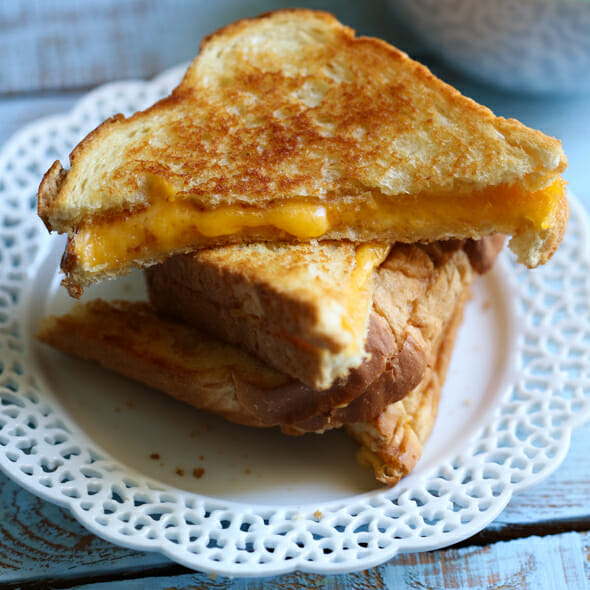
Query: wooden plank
[555, 561]
[39, 540]
[60, 44]
[558, 562]
[55, 44]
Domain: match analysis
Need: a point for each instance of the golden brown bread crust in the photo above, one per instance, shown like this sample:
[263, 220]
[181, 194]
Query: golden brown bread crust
[382, 378]
[303, 308]
[48, 191]
[133, 340]
[358, 104]
[392, 443]
[291, 105]
[130, 339]
[548, 245]
[400, 376]
[483, 253]
[175, 361]
[388, 405]
[220, 292]
[449, 273]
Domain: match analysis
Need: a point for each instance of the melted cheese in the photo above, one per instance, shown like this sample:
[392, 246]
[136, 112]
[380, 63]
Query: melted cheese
[170, 224]
[368, 258]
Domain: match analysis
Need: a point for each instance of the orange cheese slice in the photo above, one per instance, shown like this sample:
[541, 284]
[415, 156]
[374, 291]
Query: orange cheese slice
[172, 224]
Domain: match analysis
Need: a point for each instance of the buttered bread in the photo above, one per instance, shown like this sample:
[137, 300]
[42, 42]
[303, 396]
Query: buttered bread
[287, 127]
[388, 403]
[302, 308]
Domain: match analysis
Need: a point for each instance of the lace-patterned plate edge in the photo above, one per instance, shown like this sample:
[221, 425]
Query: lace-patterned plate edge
[522, 441]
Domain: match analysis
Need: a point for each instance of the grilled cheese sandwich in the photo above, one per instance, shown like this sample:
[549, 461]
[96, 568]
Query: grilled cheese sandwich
[167, 225]
[303, 308]
[388, 404]
[288, 127]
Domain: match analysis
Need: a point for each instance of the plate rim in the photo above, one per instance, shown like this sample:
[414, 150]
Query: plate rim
[166, 79]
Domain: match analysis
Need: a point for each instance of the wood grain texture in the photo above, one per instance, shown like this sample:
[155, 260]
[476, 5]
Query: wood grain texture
[534, 563]
[76, 44]
[70, 44]
[41, 541]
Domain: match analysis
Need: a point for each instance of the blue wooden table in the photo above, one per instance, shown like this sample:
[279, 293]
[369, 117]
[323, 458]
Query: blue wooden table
[51, 54]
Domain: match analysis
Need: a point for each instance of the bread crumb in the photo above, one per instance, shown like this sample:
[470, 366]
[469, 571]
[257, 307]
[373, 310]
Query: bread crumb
[247, 471]
[180, 471]
[198, 472]
[202, 457]
[467, 402]
[318, 514]
[155, 456]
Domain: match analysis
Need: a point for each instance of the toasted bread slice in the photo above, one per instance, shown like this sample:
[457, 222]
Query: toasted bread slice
[303, 308]
[133, 339]
[288, 127]
[444, 283]
[391, 419]
[392, 443]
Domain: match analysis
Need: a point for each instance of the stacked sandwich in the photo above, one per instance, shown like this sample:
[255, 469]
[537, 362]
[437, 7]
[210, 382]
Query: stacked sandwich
[311, 209]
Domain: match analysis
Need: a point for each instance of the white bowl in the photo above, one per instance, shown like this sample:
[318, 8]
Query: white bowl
[534, 46]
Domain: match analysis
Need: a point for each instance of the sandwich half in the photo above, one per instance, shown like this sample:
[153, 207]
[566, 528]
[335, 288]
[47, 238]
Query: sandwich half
[314, 310]
[287, 127]
[388, 404]
[302, 308]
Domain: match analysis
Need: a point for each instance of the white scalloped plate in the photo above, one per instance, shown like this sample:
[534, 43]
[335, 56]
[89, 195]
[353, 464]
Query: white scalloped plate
[146, 472]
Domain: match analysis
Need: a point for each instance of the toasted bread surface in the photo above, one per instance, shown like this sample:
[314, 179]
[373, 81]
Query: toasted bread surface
[287, 126]
[294, 306]
[392, 443]
[435, 283]
[388, 404]
[302, 307]
[131, 338]
[173, 362]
